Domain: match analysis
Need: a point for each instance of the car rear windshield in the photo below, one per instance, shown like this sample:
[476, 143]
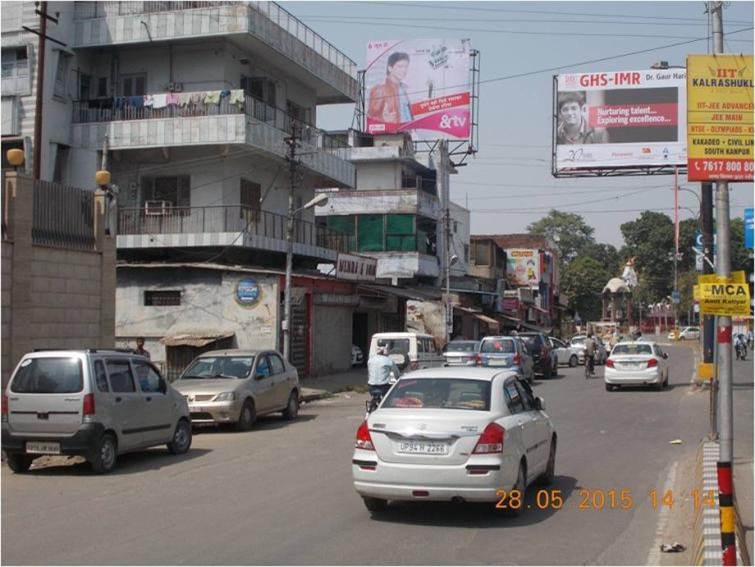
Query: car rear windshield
[440, 393]
[219, 367]
[498, 346]
[461, 346]
[395, 346]
[531, 340]
[632, 349]
[48, 376]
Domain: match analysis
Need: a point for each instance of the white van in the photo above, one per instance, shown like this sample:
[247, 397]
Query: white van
[419, 349]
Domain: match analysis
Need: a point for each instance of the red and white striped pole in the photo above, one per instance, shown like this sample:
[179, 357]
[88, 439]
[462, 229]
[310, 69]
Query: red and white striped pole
[725, 478]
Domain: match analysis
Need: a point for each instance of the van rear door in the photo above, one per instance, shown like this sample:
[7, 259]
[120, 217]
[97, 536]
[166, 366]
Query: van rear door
[46, 395]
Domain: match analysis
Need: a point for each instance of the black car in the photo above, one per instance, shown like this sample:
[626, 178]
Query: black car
[541, 351]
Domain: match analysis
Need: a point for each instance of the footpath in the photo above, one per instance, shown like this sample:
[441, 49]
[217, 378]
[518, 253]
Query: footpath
[326, 386]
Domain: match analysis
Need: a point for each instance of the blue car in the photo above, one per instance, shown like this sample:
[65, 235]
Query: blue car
[506, 352]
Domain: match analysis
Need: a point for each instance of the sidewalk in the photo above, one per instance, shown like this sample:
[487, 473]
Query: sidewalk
[325, 386]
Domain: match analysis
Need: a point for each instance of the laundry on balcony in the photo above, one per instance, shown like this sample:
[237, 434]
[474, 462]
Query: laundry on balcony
[237, 98]
[212, 97]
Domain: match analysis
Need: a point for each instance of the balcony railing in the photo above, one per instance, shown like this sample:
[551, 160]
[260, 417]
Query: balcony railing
[226, 218]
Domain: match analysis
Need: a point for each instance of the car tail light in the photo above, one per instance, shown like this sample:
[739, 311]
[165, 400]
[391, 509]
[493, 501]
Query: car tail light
[491, 440]
[652, 363]
[414, 365]
[364, 441]
[5, 407]
[478, 359]
[609, 363]
[88, 408]
[517, 358]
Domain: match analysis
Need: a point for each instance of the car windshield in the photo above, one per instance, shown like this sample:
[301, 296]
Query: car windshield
[498, 345]
[578, 340]
[219, 367]
[632, 349]
[395, 346]
[48, 376]
[440, 393]
[461, 346]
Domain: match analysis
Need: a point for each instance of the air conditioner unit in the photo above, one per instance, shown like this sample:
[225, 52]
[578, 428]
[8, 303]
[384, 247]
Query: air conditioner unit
[175, 87]
[157, 208]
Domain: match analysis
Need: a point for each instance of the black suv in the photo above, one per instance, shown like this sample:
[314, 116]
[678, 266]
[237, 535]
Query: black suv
[541, 351]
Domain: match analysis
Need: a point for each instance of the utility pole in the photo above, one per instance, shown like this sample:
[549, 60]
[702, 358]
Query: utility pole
[723, 338]
[292, 143]
[42, 45]
[445, 254]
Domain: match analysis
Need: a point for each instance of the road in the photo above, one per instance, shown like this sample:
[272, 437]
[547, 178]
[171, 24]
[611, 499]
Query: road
[281, 494]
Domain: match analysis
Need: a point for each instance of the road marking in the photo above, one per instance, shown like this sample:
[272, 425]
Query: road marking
[654, 557]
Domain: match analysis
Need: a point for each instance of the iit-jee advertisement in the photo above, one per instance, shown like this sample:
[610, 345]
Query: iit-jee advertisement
[620, 119]
[523, 267]
[419, 86]
[720, 117]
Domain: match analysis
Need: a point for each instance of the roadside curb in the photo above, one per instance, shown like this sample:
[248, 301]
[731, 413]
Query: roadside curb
[312, 395]
[707, 530]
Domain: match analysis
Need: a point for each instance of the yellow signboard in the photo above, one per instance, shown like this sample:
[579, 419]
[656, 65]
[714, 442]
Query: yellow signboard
[724, 298]
[720, 117]
[736, 277]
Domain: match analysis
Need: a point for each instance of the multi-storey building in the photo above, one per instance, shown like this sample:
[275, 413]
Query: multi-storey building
[194, 104]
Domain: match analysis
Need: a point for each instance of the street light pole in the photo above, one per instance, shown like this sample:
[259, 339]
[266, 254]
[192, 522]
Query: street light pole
[292, 165]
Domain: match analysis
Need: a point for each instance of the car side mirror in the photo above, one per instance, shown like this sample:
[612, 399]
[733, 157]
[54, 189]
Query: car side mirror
[665, 356]
[539, 403]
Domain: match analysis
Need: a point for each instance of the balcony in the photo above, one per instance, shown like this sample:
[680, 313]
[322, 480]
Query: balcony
[391, 201]
[248, 121]
[224, 225]
[263, 28]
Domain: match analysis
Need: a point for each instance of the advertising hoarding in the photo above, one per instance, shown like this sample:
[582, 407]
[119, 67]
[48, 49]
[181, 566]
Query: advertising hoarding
[523, 267]
[720, 117]
[749, 229]
[626, 119]
[355, 268]
[421, 86]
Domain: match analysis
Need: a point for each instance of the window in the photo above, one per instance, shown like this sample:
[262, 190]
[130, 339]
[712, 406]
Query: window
[481, 253]
[153, 298]
[466, 253]
[276, 363]
[48, 376]
[263, 367]
[420, 345]
[15, 62]
[149, 378]
[440, 393]
[219, 367]
[528, 401]
[513, 397]
[504, 346]
[61, 74]
[395, 346]
[399, 233]
[250, 194]
[85, 86]
[100, 376]
[297, 112]
[102, 87]
[370, 230]
[632, 349]
[175, 190]
[456, 227]
[121, 378]
[133, 85]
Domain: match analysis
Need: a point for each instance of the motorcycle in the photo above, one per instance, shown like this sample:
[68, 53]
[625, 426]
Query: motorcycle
[741, 350]
[376, 396]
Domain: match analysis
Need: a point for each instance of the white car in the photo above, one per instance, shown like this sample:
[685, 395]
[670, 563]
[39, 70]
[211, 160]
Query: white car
[578, 344]
[455, 435]
[636, 364]
[565, 353]
[690, 333]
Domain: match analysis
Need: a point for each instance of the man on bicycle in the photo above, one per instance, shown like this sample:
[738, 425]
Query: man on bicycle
[590, 347]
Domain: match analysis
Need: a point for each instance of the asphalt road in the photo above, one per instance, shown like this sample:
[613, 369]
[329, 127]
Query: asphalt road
[282, 494]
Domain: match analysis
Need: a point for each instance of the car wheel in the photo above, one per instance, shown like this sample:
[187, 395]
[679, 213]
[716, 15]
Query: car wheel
[374, 504]
[609, 388]
[548, 372]
[573, 361]
[550, 470]
[247, 417]
[19, 463]
[181, 438]
[104, 455]
[292, 408]
[521, 486]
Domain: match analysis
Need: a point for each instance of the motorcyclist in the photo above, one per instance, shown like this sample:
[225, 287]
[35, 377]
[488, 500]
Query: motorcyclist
[380, 367]
[749, 339]
[740, 345]
[590, 346]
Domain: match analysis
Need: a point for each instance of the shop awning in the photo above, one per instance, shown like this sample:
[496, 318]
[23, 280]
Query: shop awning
[466, 310]
[536, 328]
[195, 339]
[405, 293]
[486, 319]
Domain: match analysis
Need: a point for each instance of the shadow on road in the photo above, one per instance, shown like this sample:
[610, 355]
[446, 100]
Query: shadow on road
[264, 423]
[474, 515]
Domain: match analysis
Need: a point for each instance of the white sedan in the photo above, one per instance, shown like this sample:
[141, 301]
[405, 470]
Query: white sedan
[456, 435]
[565, 353]
[636, 364]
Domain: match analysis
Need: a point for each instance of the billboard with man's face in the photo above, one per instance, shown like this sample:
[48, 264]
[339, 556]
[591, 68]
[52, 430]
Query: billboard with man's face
[419, 86]
[523, 267]
[626, 119]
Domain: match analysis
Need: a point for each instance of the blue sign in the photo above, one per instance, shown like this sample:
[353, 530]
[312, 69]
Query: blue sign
[675, 297]
[247, 292]
[749, 229]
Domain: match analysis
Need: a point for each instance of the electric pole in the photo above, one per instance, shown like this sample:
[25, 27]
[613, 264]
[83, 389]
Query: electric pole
[42, 45]
[292, 143]
[445, 253]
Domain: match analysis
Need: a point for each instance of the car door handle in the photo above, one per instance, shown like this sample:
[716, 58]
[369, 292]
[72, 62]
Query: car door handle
[148, 398]
[118, 400]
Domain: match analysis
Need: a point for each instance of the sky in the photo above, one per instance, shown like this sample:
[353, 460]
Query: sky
[508, 184]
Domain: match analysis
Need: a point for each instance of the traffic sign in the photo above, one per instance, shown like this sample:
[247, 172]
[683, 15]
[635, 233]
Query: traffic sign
[675, 297]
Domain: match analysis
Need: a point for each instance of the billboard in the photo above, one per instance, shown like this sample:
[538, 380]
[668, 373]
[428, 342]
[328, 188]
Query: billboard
[720, 117]
[523, 267]
[626, 119]
[421, 86]
[749, 229]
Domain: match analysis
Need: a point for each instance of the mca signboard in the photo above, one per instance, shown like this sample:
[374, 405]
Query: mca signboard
[421, 86]
[720, 117]
[624, 119]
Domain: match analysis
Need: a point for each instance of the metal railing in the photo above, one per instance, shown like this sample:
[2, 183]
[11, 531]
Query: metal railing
[63, 216]
[226, 218]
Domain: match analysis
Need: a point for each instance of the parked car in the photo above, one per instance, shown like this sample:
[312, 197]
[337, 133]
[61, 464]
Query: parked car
[636, 363]
[357, 357]
[410, 351]
[97, 404]
[238, 386]
[461, 353]
[506, 352]
[578, 343]
[542, 354]
[454, 435]
[690, 333]
[565, 353]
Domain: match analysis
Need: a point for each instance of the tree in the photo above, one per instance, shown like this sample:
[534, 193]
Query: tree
[568, 232]
[606, 255]
[582, 282]
[650, 239]
[740, 256]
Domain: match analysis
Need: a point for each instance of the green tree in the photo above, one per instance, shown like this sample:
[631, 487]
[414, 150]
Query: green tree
[740, 256]
[606, 255]
[582, 282]
[568, 232]
[650, 239]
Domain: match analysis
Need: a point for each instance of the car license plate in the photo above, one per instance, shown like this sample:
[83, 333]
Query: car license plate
[40, 448]
[423, 448]
[494, 362]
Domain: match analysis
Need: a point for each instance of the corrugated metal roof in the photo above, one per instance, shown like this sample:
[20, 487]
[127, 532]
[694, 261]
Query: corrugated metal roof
[195, 339]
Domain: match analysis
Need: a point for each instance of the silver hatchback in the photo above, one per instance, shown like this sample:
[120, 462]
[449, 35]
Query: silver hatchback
[94, 403]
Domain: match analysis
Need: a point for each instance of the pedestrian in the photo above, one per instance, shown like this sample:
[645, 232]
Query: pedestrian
[140, 350]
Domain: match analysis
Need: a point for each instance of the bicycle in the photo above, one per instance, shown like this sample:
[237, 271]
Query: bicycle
[589, 367]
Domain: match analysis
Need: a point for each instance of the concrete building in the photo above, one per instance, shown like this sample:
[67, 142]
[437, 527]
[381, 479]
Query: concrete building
[195, 103]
